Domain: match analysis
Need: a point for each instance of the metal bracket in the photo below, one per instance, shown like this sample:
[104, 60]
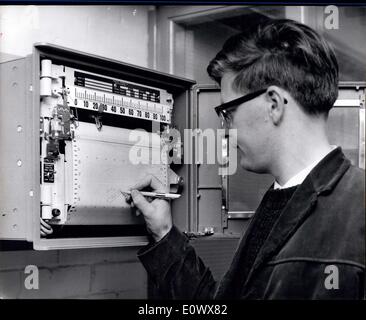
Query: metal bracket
[240, 214]
[98, 122]
[98, 118]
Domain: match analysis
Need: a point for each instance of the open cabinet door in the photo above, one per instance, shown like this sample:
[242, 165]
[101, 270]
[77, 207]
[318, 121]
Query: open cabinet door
[346, 122]
[225, 203]
[222, 204]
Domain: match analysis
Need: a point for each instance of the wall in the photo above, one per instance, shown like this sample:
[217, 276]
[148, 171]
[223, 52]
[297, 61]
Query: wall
[117, 32]
[103, 273]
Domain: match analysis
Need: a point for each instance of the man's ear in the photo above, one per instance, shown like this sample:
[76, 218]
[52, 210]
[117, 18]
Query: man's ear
[277, 102]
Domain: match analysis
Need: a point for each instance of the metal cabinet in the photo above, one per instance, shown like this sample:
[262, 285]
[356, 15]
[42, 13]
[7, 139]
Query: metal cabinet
[37, 102]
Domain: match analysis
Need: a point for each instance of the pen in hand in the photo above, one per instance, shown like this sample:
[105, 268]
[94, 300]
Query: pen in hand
[158, 195]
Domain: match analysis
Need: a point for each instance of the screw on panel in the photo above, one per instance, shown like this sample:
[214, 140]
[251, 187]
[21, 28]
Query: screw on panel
[19, 163]
[19, 128]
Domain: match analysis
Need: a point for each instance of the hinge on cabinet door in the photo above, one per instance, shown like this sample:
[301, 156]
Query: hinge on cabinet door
[208, 231]
[361, 142]
[224, 217]
[224, 203]
[363, 99]
[195, 235]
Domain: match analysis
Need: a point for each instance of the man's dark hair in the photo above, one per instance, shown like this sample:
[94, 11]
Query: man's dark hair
[284, 53]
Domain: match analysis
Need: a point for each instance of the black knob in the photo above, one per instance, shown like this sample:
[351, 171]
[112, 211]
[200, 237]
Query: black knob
[56, 212]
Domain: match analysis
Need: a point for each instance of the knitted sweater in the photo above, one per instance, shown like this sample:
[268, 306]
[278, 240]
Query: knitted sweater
[264, 219]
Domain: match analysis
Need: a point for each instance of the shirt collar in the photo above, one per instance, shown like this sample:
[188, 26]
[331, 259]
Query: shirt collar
[299, 177]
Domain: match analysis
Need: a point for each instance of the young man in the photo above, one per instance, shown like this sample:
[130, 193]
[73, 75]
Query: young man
[306, 239]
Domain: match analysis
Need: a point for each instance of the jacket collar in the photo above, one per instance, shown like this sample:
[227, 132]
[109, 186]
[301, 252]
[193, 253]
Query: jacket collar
[323, 178]
[329, 171]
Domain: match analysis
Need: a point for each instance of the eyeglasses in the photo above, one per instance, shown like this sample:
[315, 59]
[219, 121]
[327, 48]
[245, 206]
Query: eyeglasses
[226, 110]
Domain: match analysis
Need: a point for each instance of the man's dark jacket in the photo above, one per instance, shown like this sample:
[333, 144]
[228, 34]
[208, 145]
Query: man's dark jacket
[316, 249]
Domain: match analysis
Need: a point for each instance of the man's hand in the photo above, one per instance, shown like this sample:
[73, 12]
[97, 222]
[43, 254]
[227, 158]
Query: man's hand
[156, 213]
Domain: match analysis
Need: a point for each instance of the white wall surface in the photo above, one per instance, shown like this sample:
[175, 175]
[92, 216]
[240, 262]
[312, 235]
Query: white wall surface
[117, 32]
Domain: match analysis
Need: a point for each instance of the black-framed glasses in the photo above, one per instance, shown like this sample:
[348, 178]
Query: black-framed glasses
[225, 110]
